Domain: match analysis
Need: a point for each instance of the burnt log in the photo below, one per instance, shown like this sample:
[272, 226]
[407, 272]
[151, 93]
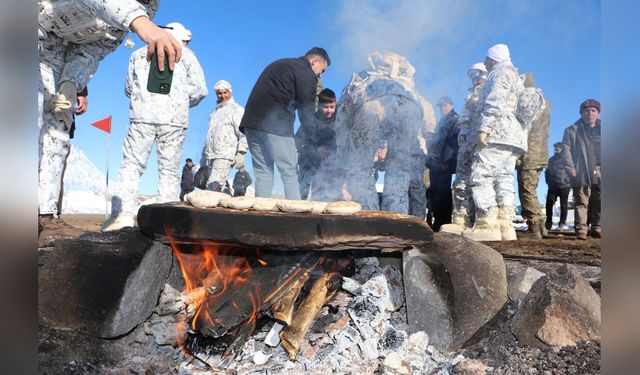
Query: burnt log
[103, 284]
[373, 230]
[453, 286]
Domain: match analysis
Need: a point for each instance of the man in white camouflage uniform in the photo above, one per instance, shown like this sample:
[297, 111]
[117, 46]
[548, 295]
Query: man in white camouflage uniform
[156, 118]
[73, 37]
[500, 140]
[463, 206]
[225, 145]
[379, 104]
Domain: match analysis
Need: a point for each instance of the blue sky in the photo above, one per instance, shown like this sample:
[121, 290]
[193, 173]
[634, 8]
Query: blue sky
[558, 41]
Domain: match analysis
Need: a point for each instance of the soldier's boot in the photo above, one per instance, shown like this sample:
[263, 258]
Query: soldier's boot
[505, 221]
[119, 222]
[486, 228]
[543, 229]
[534, 228]
[52, 227]
[459, 222]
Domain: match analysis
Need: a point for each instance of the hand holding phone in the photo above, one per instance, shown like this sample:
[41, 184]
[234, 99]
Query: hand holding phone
[159, 82]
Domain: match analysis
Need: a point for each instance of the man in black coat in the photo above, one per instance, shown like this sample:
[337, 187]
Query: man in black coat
[187, 183]
[241, 182]
[284, 86]
[557, 180]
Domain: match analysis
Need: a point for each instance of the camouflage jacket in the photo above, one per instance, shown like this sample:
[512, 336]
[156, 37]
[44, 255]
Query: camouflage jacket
[188, 88]
[497, 105]
[224, 139]
[77, 35]
[536, 155]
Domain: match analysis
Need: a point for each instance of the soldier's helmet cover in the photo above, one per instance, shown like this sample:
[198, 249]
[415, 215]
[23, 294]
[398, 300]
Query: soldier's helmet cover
[391, 64]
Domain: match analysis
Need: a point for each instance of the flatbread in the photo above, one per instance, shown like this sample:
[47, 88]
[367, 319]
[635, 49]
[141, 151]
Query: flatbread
[287, 205]
[265, 204]
[343, 208]
[240, 203]
[225, 201]
[204, 198]
[318, 207]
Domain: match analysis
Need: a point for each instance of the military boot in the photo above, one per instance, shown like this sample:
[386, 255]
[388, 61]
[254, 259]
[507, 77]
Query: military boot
[52, 227]
[119, 222]
[534, 228]
[459, 222]
[543, 229]
[486, 228]
[505, 221]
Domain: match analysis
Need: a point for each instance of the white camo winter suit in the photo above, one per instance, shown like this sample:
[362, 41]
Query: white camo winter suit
[492, 167]
[224, 140]
[156, 118]
[73, 37]
[463, 204]
[377, 105]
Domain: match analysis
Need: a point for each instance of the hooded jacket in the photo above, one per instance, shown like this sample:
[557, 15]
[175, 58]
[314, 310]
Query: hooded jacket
[556, 175]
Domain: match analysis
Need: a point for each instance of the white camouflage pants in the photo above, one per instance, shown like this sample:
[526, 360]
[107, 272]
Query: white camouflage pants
[136, 149]
[219, 170]
[53, 141]
[492, 179]
[398, 120]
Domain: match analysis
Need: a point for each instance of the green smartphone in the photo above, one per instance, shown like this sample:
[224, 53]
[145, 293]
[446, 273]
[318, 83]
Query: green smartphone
[159, 82]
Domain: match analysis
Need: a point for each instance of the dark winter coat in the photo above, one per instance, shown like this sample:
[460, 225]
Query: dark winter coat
[556, 175]
[443, 152]
[284, 86]
[537, 150]
[574, 154]
[310, 139]
[241, 181]
[188, 175]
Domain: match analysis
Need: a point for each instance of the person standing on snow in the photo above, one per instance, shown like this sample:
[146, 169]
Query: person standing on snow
[500, 140]
[158, 118]
[284, 86]
[463, 206]
[73, 38]
[380, 104]
[225, 145]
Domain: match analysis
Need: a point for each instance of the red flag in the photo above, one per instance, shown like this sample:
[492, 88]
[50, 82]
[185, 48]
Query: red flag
[104, 124]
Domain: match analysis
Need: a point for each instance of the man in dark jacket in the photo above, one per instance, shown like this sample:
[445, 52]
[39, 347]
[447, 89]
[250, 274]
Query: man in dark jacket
[557, 180]
[284, 86]
[241, 181]
[187, 183]
[530, 165]
[441, 162]
[581, 156]
[309, 140]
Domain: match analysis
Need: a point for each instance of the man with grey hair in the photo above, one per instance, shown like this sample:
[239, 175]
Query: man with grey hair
[225, 145]
[156, 118]
[500, 140]
[382, 104]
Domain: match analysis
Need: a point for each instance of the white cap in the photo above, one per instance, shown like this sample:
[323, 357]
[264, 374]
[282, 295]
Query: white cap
[178, 31]
[222, 85]
[499, 53]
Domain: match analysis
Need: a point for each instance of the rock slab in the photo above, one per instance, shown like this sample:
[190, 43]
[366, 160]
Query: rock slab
[104, 284]
[561, 309]
[453, 286]
[521, 282]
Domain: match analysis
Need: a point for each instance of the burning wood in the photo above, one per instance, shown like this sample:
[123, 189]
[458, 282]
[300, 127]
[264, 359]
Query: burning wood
[282, 309]
[323, 290]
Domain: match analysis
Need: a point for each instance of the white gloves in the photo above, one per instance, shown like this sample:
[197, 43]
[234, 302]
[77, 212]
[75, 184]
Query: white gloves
[239, 160]
[481, 140]
[62, 103]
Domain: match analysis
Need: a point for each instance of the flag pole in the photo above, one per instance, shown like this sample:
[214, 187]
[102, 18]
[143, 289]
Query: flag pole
[106, 189]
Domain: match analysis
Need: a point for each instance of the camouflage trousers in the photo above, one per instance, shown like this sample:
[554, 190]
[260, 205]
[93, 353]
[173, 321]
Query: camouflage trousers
[135, 154]
[462, 197]
[527, 191]
[491, 179]
[397, 120]
[219, 170]
[53, 140]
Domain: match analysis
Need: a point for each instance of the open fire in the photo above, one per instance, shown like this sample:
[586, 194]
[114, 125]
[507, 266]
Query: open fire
[229, 287]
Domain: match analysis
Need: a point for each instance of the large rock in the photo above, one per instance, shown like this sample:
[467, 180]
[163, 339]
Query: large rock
[453, 286]
[560, 309]
[521, 282]
[104, 284]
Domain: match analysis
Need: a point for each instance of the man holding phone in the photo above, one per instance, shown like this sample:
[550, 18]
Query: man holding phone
[161, 117]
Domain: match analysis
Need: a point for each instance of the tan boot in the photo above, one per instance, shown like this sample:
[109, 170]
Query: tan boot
[457, 225]
[505, 221]
[51, 228]
[119, 222]
[486, 228]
